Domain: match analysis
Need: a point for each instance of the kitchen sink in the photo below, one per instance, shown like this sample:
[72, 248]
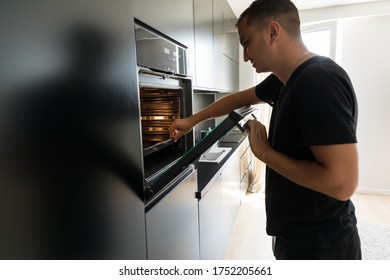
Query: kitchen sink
[215, 154]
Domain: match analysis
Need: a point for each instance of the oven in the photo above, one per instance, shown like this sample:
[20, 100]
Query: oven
[165, 94]
[163, 98]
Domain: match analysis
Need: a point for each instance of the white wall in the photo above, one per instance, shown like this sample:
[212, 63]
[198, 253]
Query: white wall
[366, 57]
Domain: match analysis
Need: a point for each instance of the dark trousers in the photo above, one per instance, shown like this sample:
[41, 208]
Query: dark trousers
[286, 251]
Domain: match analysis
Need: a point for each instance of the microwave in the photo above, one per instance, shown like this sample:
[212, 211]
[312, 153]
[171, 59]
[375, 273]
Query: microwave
[158, 51]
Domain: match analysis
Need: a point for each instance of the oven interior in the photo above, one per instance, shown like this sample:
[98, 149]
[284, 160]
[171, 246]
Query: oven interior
[160, 104]
[159, 107]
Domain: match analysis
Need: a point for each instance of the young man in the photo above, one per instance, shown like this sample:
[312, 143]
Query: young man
[310, 152]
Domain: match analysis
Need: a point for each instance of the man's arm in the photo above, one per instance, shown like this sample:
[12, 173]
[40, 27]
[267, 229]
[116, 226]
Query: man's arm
[333, 173]
[221, 107]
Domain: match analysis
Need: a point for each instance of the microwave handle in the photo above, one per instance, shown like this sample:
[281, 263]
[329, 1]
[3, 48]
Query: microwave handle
[149, 71]
[161, 74]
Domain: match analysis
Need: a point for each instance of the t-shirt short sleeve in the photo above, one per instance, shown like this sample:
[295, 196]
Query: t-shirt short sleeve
[328, 110]
[268, 90]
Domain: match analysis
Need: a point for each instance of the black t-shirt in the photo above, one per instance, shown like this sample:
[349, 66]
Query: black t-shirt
[316, 107]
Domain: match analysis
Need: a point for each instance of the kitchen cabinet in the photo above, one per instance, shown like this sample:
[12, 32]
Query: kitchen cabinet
[230, 52]
[230, 180]
[212, 237]
[218, 74]
[204, 44]
[218, 209]
[230, 39]
[172, 223]
[216, 46]
[230, 74]
[245, 167]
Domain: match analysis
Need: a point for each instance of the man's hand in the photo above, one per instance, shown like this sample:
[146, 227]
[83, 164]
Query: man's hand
[257, 135]
[334, 172]
[178, 128]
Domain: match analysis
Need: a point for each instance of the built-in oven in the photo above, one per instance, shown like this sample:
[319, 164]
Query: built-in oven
[163, 98]
[165, 94]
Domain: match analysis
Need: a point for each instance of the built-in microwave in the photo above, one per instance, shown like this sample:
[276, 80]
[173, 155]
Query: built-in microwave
[158, 51]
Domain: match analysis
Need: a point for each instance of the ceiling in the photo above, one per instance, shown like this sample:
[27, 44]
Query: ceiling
[239, 6]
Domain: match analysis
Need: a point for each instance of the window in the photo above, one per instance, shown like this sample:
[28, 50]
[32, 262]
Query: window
[318, 41]
[322, 39]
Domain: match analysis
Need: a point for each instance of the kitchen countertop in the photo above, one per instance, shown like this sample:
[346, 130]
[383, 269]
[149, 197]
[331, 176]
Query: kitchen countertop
[207, 171]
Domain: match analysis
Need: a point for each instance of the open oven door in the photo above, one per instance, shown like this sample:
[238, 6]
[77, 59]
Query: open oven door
[156, 188]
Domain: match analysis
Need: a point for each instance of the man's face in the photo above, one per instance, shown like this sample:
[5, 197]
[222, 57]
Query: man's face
[254, 44]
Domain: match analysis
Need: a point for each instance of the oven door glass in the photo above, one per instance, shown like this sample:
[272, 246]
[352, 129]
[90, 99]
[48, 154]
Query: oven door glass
[192, 154]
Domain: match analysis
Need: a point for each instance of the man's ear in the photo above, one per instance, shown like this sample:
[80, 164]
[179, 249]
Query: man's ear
[274, 30]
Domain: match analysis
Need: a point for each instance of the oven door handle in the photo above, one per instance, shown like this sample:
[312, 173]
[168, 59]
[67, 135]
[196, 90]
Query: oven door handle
[183, 176]
[157, 147]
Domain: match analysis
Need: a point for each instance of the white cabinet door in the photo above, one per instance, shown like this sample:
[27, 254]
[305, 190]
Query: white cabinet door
[213, 234]
[218, 210]
[172, 224]
[204, 42]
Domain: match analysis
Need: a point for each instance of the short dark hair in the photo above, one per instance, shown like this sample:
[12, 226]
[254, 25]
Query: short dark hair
[262, 12]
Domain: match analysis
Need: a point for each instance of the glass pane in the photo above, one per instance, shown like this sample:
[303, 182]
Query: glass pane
[318, 41]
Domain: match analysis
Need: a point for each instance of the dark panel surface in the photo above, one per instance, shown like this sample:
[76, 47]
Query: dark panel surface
[71, 182]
